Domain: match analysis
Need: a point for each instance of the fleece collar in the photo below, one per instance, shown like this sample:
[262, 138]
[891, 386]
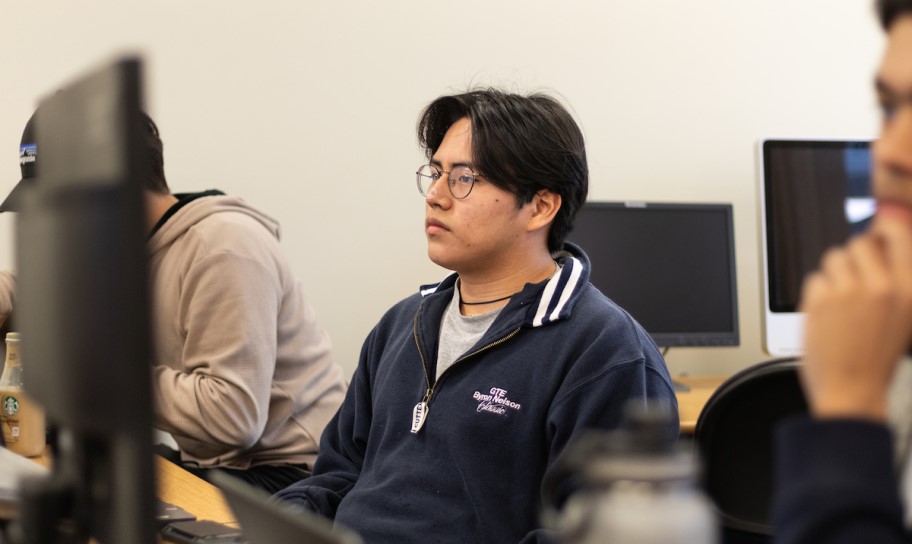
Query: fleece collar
[549, 301]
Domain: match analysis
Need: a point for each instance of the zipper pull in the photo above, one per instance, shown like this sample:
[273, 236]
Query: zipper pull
[420, 412]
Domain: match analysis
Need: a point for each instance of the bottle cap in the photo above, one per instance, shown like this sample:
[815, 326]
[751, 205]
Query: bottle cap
[12, 337]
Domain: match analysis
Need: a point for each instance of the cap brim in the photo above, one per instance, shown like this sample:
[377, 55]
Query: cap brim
[11, 203]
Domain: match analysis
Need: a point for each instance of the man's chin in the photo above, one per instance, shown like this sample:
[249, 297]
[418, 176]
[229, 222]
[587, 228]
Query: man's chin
[442, 257]
[438, 260]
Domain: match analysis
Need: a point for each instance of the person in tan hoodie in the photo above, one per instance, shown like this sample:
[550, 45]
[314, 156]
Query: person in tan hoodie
[244, 379]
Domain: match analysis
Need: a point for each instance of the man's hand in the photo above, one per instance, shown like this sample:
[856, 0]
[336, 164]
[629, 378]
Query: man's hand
[859, 320]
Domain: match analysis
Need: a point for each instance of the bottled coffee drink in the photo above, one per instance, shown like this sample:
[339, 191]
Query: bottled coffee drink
[22, 419]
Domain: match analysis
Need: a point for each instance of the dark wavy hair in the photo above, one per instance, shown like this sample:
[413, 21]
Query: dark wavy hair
[154, 171]
[889, 10]
[522, 144]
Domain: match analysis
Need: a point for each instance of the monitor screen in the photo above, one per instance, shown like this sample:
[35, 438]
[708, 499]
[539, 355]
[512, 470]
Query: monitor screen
[671, 266]
[814, 194]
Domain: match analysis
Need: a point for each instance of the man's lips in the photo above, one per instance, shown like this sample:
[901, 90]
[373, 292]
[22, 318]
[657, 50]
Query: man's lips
[432, 226]
[895, 210]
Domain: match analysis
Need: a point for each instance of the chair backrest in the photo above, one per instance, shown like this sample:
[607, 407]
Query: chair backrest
[734, 434]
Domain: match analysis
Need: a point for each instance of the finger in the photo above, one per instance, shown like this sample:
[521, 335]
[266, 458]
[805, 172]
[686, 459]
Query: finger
[838, 269]
[867, 256]
[815, 285]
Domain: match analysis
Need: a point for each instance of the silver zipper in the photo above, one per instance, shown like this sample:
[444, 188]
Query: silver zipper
[420, 411]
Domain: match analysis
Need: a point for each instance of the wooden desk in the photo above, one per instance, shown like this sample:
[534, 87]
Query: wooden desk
[193, 494]
[205, 501]
[690, 403]
[181, 488]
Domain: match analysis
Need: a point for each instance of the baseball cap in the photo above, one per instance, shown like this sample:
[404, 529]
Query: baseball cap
[28, 163]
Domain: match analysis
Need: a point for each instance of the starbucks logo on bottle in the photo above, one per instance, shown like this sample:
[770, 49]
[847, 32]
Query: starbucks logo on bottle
[10, 406]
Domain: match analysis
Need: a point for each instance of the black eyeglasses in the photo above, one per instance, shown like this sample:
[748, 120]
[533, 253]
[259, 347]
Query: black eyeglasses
[460, 181]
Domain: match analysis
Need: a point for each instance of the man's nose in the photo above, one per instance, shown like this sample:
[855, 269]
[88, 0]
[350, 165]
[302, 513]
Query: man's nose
[437, 190]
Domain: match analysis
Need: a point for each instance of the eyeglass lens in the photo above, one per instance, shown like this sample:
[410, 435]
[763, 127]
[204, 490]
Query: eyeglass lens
[460, 180]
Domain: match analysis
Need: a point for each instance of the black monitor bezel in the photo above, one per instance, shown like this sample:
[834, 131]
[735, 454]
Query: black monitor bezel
[770, 262]
[690, 339]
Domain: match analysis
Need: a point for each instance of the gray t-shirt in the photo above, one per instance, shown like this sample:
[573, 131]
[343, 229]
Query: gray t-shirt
[460, 332]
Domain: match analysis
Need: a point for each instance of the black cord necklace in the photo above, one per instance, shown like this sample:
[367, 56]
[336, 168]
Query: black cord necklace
[483, 301]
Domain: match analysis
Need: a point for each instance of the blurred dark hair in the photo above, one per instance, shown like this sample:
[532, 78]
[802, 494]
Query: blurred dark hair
[154, 175]
[519, 143]
[889, 10]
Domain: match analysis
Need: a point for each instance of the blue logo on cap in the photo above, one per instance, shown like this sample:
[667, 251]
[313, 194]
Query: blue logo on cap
[28, 153]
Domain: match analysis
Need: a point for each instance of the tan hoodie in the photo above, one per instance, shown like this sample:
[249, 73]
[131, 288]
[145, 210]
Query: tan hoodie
[7, 289]
[243, 375]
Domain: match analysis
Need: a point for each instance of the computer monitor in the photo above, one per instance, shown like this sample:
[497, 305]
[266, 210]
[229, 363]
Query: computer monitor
[83, 312]
[813, 194]
[671, 266]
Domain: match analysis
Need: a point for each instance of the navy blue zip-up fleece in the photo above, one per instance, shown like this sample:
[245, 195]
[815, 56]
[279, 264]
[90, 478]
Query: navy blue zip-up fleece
[561, 357]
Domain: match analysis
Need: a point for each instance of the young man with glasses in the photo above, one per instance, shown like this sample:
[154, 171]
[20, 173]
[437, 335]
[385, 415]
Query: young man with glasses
[467, 391]
[837, 479]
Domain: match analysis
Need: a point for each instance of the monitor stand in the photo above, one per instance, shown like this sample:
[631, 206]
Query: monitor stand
[679, 387]
[676, 386]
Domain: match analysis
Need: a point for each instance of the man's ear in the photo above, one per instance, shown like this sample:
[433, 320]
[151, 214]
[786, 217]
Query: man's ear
[545, 205]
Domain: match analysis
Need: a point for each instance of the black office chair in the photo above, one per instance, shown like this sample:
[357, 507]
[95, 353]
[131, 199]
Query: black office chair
[734, 434]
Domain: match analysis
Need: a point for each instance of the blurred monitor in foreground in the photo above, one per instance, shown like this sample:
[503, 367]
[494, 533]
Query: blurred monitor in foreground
[83, 312]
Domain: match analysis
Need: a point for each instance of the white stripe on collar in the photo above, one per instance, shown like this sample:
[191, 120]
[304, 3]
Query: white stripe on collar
[576, 269]
[575, 272]
[429, 290]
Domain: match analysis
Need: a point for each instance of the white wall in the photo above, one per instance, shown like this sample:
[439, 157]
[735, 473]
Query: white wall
[308, 110]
